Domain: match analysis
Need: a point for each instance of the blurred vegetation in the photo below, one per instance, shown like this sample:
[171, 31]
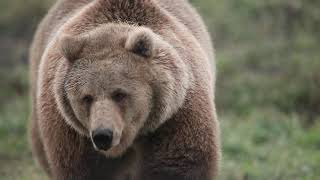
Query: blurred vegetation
[268, 61]
[268, 54]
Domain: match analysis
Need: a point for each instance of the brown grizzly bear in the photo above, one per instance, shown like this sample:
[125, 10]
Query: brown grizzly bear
[123, 89]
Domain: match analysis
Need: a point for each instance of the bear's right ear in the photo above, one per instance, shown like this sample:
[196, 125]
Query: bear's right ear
[71, 47]
[141, 42]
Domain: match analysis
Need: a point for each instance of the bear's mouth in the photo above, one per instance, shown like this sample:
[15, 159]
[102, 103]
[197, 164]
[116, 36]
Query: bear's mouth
[114, 151]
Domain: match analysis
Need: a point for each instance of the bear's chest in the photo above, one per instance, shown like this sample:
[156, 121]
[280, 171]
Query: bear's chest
[123, 168]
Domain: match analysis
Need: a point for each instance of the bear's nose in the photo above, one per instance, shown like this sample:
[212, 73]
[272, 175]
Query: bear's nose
[102, 138]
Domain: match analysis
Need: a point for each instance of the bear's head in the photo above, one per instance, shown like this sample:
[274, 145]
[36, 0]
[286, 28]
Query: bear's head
[118, 82]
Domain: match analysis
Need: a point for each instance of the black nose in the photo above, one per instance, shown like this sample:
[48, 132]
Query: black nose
[102, 138]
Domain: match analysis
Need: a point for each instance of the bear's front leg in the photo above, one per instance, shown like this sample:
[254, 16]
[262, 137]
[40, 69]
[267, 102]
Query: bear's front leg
[67, 152]
[186, 147]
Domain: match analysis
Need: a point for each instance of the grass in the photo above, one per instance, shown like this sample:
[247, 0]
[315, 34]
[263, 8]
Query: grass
[15, 157]
[266, 144]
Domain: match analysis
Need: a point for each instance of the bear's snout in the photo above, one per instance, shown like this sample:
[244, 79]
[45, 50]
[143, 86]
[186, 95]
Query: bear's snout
[102, 139]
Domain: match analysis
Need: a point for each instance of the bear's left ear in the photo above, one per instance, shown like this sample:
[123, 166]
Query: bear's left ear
[71, 46]
[141, 42]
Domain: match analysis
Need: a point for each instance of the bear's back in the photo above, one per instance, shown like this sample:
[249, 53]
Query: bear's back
[187, 15]
[63, 10]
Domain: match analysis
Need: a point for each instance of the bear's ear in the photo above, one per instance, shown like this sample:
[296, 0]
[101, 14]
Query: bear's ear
[71, 47]
[141, 42]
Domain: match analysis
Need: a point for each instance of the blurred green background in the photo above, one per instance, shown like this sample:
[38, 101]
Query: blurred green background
[268, 98]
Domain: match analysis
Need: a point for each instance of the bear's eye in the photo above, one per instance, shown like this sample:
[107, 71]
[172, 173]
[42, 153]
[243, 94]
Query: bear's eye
[118, 96]
[87, 99]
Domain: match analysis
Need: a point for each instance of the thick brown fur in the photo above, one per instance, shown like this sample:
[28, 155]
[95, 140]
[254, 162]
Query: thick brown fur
[158, 52]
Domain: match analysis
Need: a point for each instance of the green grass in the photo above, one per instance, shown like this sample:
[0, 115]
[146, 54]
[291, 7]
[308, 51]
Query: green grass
[16, 162]
[15, 157]
[266, 144]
